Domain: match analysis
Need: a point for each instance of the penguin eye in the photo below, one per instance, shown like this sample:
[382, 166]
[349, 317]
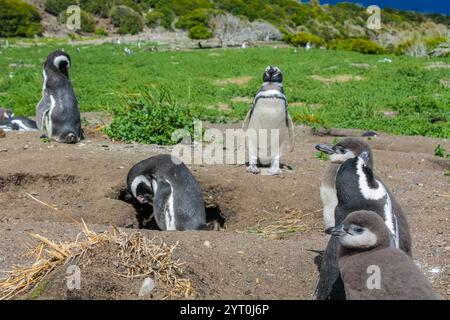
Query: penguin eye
[359, 230]
[339, 149]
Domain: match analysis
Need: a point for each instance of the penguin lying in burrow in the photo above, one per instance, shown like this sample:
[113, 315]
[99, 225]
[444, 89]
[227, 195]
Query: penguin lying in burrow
[57, 114]
[9, 122]
[167, 184]
[358, 189]
[370, 267]
[269, 113]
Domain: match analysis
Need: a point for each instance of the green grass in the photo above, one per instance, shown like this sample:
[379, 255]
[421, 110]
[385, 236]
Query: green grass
[102, 73]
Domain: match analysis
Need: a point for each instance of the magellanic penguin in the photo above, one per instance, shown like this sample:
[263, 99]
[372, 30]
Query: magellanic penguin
[346, 149]
[358, 189]
[370, 267]
[8, 122]
[268, 116]
[167, 184]
[57, 113]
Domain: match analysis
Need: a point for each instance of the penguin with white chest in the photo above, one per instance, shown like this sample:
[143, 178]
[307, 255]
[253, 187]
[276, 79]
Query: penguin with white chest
[268, 120]
[358, 189]
[9, 122]
[370, 267]
[57, 113]
[167, 184]
[346, 149]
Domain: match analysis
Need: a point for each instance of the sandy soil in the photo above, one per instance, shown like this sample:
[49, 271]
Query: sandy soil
[86, 180]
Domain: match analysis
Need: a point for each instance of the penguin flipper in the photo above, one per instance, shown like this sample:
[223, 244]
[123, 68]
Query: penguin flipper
[42, 110]
[247, 118]
[161, 196]
[290, 125]
[330, 285]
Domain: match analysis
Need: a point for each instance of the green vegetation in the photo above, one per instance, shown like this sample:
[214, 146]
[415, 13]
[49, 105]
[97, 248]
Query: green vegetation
[55, 7]
[101, 31]
[322, 156]
[439, 151]
[19, 19]
[126, 19]
[199, 32]
[101, 74]
[38, 290]
[358, 45]
[151, 116]
[302, 38]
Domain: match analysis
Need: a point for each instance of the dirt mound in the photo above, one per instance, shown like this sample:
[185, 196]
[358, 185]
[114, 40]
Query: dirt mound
[272, 225]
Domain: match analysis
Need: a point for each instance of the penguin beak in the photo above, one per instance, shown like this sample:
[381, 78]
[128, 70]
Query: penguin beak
[142, 199]
[337, 231]
[325, 148]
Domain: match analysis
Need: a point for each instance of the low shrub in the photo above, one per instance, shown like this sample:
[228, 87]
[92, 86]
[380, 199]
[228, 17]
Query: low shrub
[55, 7]
[192, 19]
[200, 32]
[19, 19]
[126, 19]
[301, 39]
[357, 45]
[87, 23]
[101, 31]
[151, 117]
[161, 18]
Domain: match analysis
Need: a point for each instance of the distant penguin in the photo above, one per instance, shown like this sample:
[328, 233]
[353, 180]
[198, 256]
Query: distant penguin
[269, 112]
[346, 149]
[358, 189]
[167, 184]
[8, 122]
[370, 267]
[57, 113]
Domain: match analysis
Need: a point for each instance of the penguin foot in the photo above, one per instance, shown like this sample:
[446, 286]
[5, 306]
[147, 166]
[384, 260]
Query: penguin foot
[253, 169]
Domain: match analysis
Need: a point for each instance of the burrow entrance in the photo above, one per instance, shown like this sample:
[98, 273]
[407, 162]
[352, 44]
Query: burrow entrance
[145, 211]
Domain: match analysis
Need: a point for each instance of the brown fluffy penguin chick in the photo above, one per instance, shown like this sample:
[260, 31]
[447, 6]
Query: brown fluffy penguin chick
[370, 268]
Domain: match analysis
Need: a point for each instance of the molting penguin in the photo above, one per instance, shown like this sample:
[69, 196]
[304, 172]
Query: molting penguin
[57, 113]
[338, 153]
[371, 269]
[269, 113]
[8, 122]
[358, 189]
[167, 183]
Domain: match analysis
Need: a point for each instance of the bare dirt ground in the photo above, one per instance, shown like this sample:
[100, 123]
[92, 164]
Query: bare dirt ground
[247, 259]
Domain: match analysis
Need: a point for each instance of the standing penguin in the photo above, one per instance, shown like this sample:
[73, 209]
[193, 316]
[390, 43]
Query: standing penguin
[358, 189]
[338, 153]
[371, 268]
[177, 199]
[269, 113]
[57, 113]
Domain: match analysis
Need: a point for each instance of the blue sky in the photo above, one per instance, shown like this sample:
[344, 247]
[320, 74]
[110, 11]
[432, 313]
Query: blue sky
[434, 6]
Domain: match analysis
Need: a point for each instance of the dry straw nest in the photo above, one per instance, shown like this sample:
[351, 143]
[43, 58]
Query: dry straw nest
[137, 255]
[291, 221]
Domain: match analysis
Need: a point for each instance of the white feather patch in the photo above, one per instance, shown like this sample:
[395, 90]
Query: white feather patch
[341, 157]
[365, 240]
[329, 201]
[59, 59]
[138, 180]
[169, 212]
[270, 94]
[368, 192]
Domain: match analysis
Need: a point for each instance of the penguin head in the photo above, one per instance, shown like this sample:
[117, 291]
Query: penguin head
[272, 74]
[141, 188]
[347, 149]
[362, 230]
[58, 61]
